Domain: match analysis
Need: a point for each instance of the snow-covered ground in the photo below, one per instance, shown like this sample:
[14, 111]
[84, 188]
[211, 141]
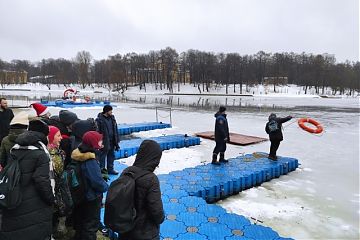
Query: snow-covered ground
[318, 201]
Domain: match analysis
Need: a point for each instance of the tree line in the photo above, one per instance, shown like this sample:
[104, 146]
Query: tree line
[168, 69]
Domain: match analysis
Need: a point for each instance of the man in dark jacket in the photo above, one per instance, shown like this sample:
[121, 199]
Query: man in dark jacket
[32, 219]
[6, 115]
[87, 213]
[108, 127]
[221, 136]
[18, 125]
[273, 128]
[148, 204]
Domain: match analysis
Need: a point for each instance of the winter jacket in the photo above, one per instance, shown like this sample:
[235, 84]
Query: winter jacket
[6, 115]
[7, 143]
[95, 185]
[221, 128]
[102, 124]
[148, 203]
[32, 220]
[277, 134]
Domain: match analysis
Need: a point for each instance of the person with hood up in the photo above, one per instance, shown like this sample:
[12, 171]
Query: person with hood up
[32, 219]
[148, 203]
[6, 115]
[273, 128]
[87, 214]
[108, 127]
[18, 125]
[222, 136]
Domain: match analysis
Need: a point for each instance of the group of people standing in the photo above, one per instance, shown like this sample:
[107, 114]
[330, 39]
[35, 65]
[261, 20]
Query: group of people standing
[44, 146]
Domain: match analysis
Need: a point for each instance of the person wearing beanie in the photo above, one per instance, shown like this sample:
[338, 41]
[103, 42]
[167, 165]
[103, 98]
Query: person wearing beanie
[41, 110]
[57, 160]
[40, 127]
[273, 128]
[222, 136]
[32, 219]
[67, 118]
[148, 203]
[6, 115]
[18, 125]
[87, 214]
[108, 127]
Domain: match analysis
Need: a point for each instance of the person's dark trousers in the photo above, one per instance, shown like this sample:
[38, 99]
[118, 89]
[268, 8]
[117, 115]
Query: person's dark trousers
[219, 147]
[87, 217]
[273, 148]
[109, 157]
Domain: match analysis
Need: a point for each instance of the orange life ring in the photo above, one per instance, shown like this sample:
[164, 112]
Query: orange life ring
[318, 126]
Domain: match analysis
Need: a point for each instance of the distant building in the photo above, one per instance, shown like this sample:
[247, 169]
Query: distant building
[13, 77]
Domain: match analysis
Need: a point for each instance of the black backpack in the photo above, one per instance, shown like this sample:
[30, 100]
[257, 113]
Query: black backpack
[72, 185]
[10, 193]
[273, 126]
[120, 212]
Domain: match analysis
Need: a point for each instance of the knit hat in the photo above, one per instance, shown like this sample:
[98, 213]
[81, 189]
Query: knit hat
[92, 139]
[40, 109]
[20, 120]
[67, 117]
[52, 131]
[107, 108]
[222, 109]
[39, 126]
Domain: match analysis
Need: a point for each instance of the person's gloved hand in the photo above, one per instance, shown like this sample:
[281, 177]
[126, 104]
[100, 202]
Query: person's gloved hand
[105, 175]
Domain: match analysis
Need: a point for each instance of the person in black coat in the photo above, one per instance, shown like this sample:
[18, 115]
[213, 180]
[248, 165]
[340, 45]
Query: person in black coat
[32, 219]
[273, 128]
[148, 203]
[108, 128]
[6, 115]
[221, 136]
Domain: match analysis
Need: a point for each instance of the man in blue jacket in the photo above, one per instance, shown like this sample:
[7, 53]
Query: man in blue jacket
[221, 136]
[87, 213]
[108, 128]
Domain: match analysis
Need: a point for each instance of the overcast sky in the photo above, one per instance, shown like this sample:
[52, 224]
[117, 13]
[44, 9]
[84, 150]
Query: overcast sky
[37, 29]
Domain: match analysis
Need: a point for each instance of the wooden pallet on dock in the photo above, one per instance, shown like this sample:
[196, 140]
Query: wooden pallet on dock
[235, 138]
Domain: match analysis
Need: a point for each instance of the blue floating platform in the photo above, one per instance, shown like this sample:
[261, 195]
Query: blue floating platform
[124, 129]
[189, 216]
[130, 147]
[70, 104]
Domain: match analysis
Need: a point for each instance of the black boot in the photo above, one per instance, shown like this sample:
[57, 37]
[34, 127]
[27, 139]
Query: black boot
[214, 159]
[222, 158]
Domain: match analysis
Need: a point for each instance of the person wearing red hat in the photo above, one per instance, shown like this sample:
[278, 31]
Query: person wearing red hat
[87, 214]
[41, 110]
[57, 159]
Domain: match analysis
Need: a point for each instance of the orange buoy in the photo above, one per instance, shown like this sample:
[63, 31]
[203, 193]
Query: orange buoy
[318, 126]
